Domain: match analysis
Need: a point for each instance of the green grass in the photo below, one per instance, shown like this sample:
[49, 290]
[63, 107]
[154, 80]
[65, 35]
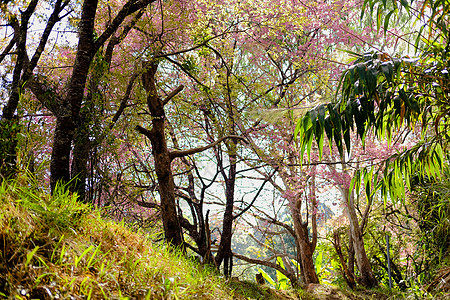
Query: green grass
[54, 247]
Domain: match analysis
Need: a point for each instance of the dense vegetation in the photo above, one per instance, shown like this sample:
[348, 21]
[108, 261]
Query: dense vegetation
[304, 143]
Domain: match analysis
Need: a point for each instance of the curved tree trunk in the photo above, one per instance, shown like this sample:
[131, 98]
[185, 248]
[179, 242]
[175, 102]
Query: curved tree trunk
[171, 223]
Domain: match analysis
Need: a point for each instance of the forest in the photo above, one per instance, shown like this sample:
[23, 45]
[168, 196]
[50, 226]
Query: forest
[174, 149]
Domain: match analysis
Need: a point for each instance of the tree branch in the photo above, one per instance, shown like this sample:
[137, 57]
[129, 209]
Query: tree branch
[256, 196]
[8, 48]
[172, 94]
[143, 131]
[281, 224]
[263, 263]
[53, 19]
[129, 8]
[45, 94]
[148, 204]
[180, 153]
[123, 101]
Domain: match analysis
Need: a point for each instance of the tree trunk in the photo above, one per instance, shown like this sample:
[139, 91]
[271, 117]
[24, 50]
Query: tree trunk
[9, 123]
[224, 254]
[351, 254]
[79, 169]
[306, 248]
[171, 223]
[68, 119]
[68, 115]
[367, 278]
[349, 276]
[8, 147]
[62, 143]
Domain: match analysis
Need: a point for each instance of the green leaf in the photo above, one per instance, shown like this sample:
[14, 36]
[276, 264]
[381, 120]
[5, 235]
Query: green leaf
[405, 4]
[386, 21]
[86, 251]
[379, 15]
[363, 9]
[281, 278]
[388, 70]
[30, 255]
[319, 261]
[267, 277]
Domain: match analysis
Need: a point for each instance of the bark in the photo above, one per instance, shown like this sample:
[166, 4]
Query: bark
[68, 118]
[22, 72]
[351, 254]
[20, 37]
[9, 122]
[83, 146]
[224, 253]
[367, 278]
[8, 147]
[199, 229]
[157, 137]
[305, 246]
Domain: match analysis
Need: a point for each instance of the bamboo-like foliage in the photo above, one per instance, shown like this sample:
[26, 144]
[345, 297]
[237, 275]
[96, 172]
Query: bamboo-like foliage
[381, 94]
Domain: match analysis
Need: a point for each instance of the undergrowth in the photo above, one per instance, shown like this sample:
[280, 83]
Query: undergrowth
[53, 247]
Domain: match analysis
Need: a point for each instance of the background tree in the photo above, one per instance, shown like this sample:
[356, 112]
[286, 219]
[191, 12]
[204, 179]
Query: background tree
[68, 113]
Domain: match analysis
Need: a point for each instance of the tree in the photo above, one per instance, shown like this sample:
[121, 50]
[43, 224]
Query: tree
[22, 71]
[163, 156]
[232, 57]
[222, 84]
[68, 114]
[341, 170]
[298, 191]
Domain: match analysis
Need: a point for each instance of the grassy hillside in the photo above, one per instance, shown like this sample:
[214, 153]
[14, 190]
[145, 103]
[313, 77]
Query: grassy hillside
[53, 247]
[56, 248]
